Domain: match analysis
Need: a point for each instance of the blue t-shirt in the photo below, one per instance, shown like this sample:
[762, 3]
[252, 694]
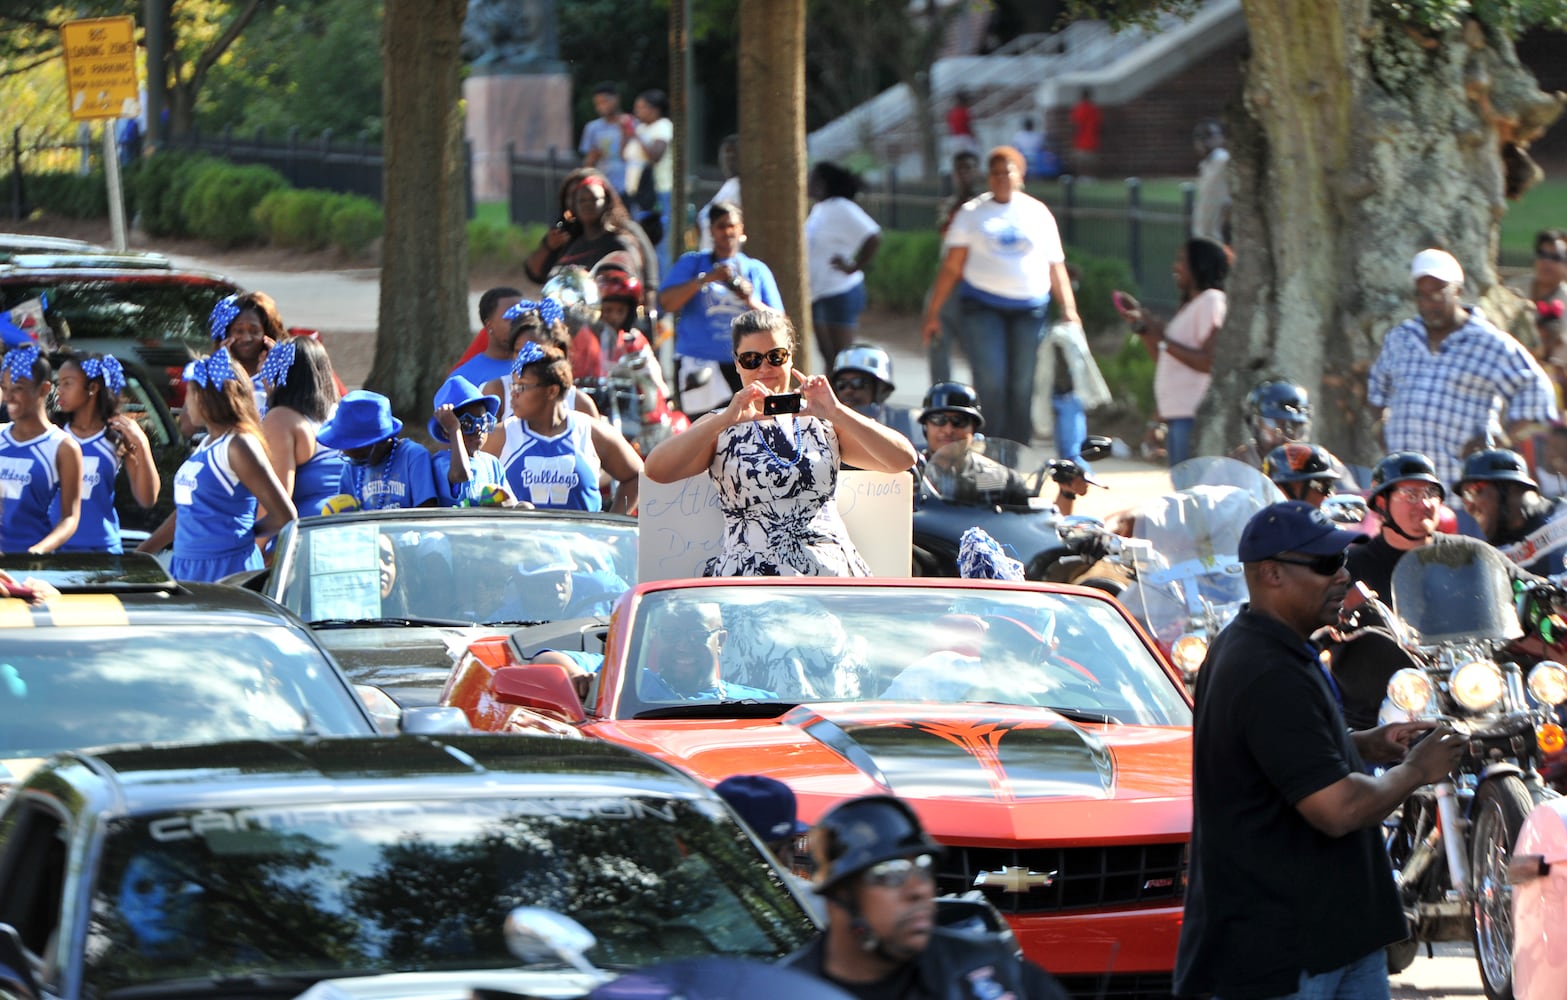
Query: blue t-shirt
[29, 487]
[318, 480]
[405, 478]
[702, 331]
[484, 469]
[606, 138]
[480, 369]
[99, 527]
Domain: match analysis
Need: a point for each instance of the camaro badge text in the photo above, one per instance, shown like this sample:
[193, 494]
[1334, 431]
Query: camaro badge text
[1014, 878]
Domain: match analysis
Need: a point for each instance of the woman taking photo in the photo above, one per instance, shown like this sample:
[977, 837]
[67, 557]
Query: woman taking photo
[302, 395]
[593, 224]
[552, 454]
[40, 464]
[840, 243]
[216, 491]
[87, 394]
[1182, 348]
[1004, 258]
[776, 473]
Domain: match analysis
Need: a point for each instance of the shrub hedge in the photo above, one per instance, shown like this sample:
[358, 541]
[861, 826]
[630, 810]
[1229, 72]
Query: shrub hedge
[220, 205]
[158, 186]
[76, 196]
[353, 222]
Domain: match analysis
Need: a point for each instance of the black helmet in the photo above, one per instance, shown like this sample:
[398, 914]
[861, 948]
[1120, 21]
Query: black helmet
[1497, 465]
[1296, 463]
[861, 832]
[1401, 467]
[954, 397]
[1283, 403]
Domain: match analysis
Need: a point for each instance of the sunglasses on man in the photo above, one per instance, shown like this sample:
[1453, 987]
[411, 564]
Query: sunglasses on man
[1327, 565]
[957, 420]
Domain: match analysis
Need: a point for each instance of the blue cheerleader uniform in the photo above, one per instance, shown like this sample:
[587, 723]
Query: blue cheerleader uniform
[98, 529]
[560, 472]
[215, 532]
[29, 485]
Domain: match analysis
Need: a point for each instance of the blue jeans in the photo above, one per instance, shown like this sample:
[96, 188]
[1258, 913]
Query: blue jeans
[1362, 979]
[664, 256]
[842, 309]
[1071, 425]
[1178, 439]
[939, 353]
[1003, 347]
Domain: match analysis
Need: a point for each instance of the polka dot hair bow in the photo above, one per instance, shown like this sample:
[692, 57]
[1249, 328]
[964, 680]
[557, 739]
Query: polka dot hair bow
[548, 309]
[19, 362]
[211, 373]
[274, 370]
[107, 368]
[222, 315]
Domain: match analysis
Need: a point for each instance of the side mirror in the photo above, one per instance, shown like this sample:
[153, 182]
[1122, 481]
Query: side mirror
[434, 719]
[16, 972]
[543, 687]
[1095, 447]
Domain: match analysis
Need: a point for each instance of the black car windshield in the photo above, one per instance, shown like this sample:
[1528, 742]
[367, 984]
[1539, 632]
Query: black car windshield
[388, 886]
[67, 688]
[146, 305]
[475, 567]
[933, 644]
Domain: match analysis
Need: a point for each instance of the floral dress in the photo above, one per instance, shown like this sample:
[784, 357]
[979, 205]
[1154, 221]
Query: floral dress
[775, 480]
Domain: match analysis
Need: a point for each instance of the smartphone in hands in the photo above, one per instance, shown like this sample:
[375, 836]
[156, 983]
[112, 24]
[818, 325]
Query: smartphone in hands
[1124, 302]
[781, 402]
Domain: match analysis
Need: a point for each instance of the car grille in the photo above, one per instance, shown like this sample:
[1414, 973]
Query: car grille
[1085, 877]
[1137, 986]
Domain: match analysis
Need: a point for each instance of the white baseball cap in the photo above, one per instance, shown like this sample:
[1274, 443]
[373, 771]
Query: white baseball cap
[1438, 264]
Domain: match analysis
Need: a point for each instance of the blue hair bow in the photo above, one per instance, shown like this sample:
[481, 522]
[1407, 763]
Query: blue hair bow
[548, 309]
[212, 372]
[274, 370]
[981, 557]
[222, 315]
[19, 362]
[530, 353]
[107, 368]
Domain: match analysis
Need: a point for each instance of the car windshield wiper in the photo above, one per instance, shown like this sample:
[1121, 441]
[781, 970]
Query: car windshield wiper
[387, 622]
[283, 984]
[519, 622]
[749, 708]
[1082, 715]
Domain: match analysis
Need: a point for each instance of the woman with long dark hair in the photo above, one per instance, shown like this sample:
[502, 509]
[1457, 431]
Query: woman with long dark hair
[593, 224]
[40, 464]
[87, 395]
[1183, 346]
[302, 396]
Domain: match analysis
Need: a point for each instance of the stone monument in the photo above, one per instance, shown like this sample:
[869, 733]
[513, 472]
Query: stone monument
[518, 91]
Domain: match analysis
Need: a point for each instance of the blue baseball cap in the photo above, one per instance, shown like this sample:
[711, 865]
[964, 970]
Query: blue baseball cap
[765, 804]
[1293, 526]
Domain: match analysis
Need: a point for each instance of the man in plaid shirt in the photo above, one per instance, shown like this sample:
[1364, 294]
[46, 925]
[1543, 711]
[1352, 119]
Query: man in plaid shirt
[1447, 375]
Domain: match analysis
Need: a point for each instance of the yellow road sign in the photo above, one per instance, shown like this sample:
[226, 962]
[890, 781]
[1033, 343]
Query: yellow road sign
[100, 67]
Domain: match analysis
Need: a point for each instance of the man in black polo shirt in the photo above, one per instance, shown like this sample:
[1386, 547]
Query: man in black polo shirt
[1290, 888]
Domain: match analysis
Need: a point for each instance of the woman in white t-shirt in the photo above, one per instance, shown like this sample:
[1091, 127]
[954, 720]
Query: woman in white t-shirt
[648, 134]
[840, 243]
[1183, 346]
[1004, 258]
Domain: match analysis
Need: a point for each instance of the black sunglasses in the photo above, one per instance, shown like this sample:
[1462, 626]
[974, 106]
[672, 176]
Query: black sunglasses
[752, 360]
[855, 382]
[1549, 255]
[1328, 565]
[957, 420]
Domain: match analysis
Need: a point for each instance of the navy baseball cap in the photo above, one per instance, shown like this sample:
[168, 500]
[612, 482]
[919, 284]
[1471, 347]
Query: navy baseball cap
[1293, 526]
[766, 804]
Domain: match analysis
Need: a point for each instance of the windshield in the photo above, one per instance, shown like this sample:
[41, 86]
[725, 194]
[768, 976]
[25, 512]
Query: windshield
[400, 886]
[985, 472]
[147, 307]
[1459, 589]
[865, 643]
[67, 688]
[478, 568]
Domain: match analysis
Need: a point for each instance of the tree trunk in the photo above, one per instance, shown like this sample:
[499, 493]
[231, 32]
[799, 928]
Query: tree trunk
[424, 257]
[1360, 143]
[772, 150]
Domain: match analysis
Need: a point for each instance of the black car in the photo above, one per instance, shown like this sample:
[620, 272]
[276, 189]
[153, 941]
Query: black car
[126, 653]
[260, 868]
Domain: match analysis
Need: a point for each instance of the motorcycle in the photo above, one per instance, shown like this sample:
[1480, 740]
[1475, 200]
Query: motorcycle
[1449, 633]
[994, 484]
[1176, 557]
[632, 395]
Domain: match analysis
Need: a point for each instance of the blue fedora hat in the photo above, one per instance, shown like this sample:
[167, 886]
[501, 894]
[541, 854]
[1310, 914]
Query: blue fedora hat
[460, 392]
[363, 418]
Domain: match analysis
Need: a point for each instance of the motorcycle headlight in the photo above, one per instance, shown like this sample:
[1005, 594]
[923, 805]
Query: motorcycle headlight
[1409, 689]
[1548, 682]
[1188, 652]
[1477, 685]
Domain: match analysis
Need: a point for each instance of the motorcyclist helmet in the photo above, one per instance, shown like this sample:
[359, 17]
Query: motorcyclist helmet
[859, 833]
[1277, 407]
[619, 286]
[1497, 465]
[953, 397]
[1298, 463]
[1403, 467]
[576, 291]
[869, 359]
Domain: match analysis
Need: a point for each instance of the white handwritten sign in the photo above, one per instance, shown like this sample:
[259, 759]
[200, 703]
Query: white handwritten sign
[682, 526]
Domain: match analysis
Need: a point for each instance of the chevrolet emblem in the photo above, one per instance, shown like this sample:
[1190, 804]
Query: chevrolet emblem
[1015, 878]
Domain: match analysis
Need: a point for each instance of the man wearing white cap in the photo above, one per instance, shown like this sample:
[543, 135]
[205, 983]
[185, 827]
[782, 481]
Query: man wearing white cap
[1447, 375]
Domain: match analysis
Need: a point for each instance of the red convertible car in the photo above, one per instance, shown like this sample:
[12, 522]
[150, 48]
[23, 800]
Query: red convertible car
[1033, 727]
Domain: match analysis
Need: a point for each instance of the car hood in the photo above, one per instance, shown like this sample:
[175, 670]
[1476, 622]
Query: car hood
[988, 770]
[409, 664]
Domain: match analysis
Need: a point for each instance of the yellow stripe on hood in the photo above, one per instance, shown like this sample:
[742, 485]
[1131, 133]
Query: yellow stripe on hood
[86, 609]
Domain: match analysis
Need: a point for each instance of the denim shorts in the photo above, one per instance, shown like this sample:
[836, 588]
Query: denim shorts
[842, 309]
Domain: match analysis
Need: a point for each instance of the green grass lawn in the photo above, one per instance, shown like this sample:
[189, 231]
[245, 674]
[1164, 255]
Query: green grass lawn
[1543, 207]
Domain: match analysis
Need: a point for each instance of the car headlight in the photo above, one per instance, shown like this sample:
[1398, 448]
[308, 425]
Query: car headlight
[1477, 685]
[1548, 682]
[1188, 652]
[1410, 690]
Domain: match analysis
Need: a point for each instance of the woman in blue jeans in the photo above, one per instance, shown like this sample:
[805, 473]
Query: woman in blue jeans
[1004, 259]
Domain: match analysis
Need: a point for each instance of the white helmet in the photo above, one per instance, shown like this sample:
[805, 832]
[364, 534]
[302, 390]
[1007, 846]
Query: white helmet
[577, 292]
[866, 358]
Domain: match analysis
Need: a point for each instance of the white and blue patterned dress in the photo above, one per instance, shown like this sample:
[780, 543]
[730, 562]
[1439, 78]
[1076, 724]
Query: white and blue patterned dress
[776, 479]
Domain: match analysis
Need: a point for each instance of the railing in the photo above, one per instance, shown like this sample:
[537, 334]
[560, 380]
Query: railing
[325, 162]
